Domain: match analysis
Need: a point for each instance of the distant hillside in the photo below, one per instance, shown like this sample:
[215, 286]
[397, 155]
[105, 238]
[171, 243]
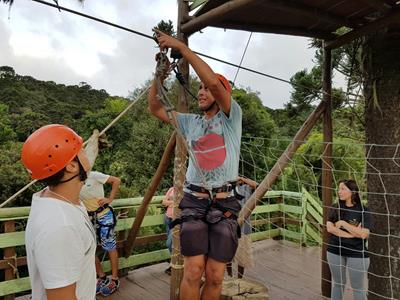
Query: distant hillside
[33, 103]
[138, 139]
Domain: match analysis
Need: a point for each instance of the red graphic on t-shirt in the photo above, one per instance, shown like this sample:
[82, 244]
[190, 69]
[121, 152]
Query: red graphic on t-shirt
[210, 151]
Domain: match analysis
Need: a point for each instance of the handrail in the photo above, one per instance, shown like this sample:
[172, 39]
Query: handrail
[8, 213]
[22, 212]
[282, 212]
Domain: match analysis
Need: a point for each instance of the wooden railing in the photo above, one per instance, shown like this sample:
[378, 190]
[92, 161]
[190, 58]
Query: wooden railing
[281, 214]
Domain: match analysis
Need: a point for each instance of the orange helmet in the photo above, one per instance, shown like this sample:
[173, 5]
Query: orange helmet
[49, 149]
[225, 82]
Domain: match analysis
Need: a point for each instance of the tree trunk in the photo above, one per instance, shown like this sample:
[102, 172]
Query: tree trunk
[381, 68]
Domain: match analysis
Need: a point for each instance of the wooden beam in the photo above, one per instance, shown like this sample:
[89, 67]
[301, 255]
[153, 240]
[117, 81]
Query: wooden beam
[215, 14]
[139, 241]
[5, 263]
[380, 5]
[269, 28]
[282, 162]
[179, 163]
[155, 181]
[307, 11]
[10, 255]
[393, 17]
[326, 167]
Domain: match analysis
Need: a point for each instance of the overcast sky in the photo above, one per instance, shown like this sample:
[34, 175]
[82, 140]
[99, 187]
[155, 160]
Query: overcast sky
[47, 44]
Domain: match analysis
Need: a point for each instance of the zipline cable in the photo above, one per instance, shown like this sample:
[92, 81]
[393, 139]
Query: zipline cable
[93, 18]
[60, 8]
[151, 37]
[241, 60]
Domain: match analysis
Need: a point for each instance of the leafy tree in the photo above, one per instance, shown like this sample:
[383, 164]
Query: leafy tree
[6, 72]
[306, 167]
[27, 122]
[256, 119]
[6, 131]
[13, 175]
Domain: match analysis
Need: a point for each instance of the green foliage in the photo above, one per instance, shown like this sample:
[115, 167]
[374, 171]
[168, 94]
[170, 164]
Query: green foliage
[138, 139]
[47, 101]
[6, 131]
[165, 26]
[27, 122]
[6, 72]
[256, 119]
[306, 167]
[307, 86]
[13, 175]
[257, 122]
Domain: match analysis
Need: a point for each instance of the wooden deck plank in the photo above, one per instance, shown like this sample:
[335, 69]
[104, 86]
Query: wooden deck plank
[288, 270]
[144, 284]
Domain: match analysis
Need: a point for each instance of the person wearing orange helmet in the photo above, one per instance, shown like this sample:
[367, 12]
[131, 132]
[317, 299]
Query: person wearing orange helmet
[60, 239]
[209, 235]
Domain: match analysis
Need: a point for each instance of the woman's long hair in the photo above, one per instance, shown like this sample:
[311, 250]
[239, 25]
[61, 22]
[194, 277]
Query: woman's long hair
[353, 187]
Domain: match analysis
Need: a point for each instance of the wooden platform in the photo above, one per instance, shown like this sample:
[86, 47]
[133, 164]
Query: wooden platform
[288, 270]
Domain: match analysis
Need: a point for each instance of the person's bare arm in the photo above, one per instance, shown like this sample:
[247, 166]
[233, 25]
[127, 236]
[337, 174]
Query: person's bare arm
[253, 184]
[356, 231]
[331, 228]
[115, 181]
[203, 70]
[64, 293]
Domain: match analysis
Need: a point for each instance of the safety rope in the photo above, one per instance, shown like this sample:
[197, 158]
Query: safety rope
[101, 133]
[14, 266]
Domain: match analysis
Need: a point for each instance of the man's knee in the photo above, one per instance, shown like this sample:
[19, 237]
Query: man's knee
[215, 272]
[214, 277]
[193, 271]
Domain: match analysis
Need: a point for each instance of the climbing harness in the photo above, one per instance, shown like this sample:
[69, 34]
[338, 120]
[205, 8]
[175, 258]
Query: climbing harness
[98, 225]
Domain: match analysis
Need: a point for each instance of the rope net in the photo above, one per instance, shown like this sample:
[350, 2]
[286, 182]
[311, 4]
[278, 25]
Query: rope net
[287, 224]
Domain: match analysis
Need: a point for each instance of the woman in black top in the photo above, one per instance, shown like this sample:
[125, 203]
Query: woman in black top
[349, 223]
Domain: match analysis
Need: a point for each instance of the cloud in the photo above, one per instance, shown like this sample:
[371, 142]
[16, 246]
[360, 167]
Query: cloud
[44, 68]
[49, 45]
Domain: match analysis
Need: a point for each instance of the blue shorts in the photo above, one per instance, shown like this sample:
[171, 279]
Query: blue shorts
[105, 231]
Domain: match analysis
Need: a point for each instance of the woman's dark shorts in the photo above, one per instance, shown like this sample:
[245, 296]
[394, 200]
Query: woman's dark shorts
[205, 231]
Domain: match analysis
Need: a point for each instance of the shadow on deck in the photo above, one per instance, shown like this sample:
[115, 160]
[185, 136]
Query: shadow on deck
[288, 270]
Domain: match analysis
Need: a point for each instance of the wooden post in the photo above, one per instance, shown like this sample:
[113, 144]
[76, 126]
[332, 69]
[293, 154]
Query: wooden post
[179, 163]
[121, 238]
[326, 167]
[280, 224]
[282, 162]
[155, 181]
[9, 253]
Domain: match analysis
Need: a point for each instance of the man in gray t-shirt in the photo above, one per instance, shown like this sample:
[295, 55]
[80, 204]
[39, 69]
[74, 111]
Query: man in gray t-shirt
[215, 144]
[209, 227]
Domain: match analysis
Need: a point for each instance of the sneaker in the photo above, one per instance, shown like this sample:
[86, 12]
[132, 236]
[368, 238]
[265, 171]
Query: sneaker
[168, 271]
[100, 283]
[110, 288]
